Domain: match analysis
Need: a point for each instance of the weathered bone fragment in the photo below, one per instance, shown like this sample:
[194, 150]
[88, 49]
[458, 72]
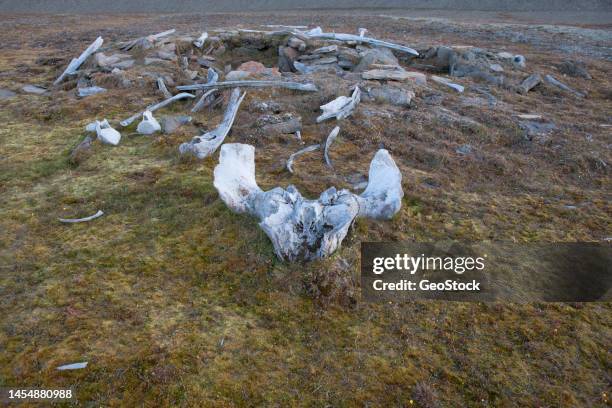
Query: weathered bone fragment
[208, 98]
[147, 42]
[206, 144]
[156, 106]
[250, 84]
[106, 134]
[148, 125]
[75, 220]
[90, 90]
[318, 33]
[330, 139]
[325, 50]
[447, 82]
[529, 83]
[382, 197]
[341, 107]
[291, 159]
[77, 62]
[205, 100]
[551, 80]
[161, 85]
[301, 228]
[201, 39]
[388, 74]
[73, 366]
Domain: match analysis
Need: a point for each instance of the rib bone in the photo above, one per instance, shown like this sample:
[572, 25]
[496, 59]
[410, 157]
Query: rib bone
[155, 107]
[251, 84]
[318, 33]
[206, 144]
[330, 139]
[301, 228]
[310, 148]
[77, 62]
[162, 87]
[75, 220]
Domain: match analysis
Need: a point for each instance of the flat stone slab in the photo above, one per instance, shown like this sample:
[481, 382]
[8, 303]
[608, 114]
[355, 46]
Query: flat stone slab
[6, 93]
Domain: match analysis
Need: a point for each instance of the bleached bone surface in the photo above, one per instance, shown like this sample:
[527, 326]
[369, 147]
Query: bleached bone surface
[206, 144]
[291, 159]
[250, 84]
[156, 106]
[318, 33]
[205, 100]
[551, 80]
[300, 228]
[148, 125]
[106, 134]
[382, 197]
[330, 139]
[77, 62]
[147, 41]
[208, 97]
[85, 219]
[444, 81]
[200, 41]
[341, 107]
[161, 85]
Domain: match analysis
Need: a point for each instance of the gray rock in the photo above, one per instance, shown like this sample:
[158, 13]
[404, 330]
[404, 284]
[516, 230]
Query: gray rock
[206, 61]
[82, 151]
[154, 61]
[376, 56]
[34, 89]
[496, 68]
[286, 123]
[464, 149]
[392, 95]
[324, 61]
[124, 64]
[266, 106]
[286, 59]
[574, 69]
[529, 83]
[6, 93]
[169, 124]
[296, 43]
[166, 55]
[237, 75]
[91, 90]
[326, 50]
[534, 128]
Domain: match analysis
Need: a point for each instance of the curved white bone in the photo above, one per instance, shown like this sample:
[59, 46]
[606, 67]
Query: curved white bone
[291, 159]
[106, 134]
[382, 197]
[148, 125]
[341, 107]
[206, 144]
[301, 228]
[252, 84]
[330, 139]
[77, 62]
[200, 41]
[156, 106]
[85, 219]
[318, 33]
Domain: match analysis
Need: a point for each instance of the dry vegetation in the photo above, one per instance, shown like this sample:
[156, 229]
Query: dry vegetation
[176, 301]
